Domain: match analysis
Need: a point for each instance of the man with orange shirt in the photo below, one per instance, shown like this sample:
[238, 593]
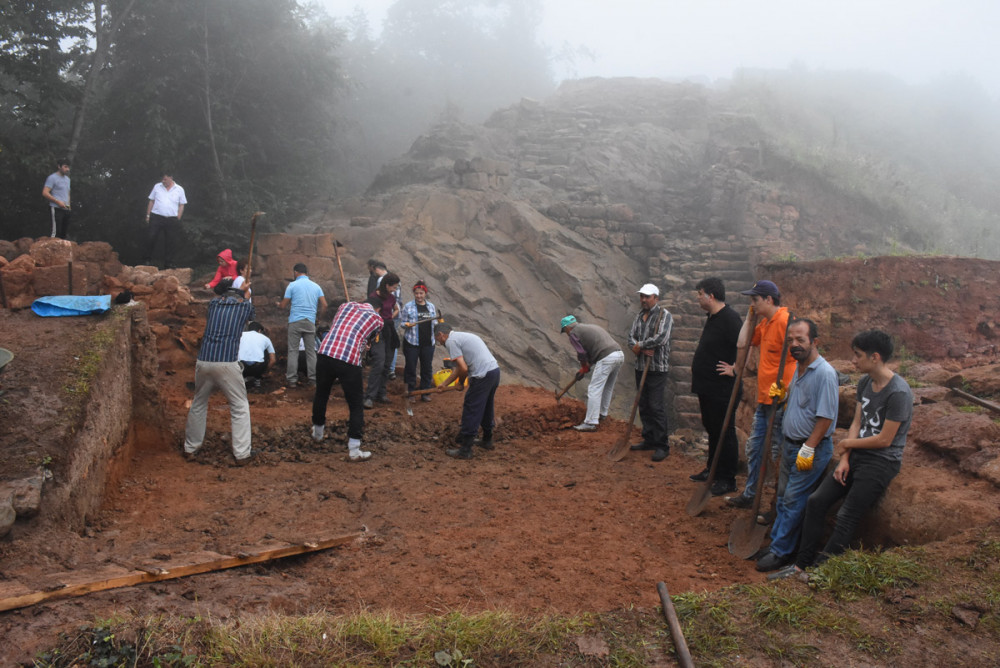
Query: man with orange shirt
[769, 336]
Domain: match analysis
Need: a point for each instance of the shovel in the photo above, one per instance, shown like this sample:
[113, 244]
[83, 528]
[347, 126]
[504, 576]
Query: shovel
[566, 389]
[746, 534]
[438, 319]
[415, 393]
[702, 493]
[617, 453]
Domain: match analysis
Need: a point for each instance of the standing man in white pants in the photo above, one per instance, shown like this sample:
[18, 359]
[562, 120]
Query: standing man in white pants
[595, 349]
[217, 367]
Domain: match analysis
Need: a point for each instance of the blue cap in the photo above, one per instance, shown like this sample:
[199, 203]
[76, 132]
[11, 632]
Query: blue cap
[566, 322]
[763, 289]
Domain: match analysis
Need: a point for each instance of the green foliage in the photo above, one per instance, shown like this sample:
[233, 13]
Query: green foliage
[861, 573]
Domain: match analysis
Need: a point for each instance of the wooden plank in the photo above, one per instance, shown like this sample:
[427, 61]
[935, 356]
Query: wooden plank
[976, 400]
[65, 585]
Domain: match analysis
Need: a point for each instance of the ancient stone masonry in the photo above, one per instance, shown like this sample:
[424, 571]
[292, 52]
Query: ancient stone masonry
[32, 268]
[277, 254]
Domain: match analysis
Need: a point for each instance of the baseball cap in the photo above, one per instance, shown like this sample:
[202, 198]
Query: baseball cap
[566, 322]
[649, 289]
[763, 289]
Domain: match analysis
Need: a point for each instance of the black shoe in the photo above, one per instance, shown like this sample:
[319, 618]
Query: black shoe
[772, 562]
[720, 487]
[464, 452]
[699, 477]
[383, 400]
[660, 454]
[484, 443]
[641, 445]
[739, 501]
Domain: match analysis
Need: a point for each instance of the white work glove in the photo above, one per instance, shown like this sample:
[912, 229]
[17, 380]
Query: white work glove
[804, 461]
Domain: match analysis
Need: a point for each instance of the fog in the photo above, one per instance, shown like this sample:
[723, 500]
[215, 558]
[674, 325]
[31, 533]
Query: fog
[916, 41]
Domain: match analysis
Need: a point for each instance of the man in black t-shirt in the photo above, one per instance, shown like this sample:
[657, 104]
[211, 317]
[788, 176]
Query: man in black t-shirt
[713, 385]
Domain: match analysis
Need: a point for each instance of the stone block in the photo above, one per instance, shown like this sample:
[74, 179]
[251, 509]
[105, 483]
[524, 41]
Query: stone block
[656, 241]
[588, 211]
[322, 268]
[54, 280]
[475, 181]
[51, 252]
[324, 246]
[7, 517]
[280, 266]
[94, 251]
[616, 238]
[621, 213]
[635, 239]
[8, 250]
[277, 244]
[24, 245]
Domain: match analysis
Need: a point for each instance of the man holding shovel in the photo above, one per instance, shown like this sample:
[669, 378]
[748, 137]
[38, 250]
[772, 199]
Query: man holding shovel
[595, 348]
[716, 353]
[473, 360]
[807, 446]
[769, 336]
[649, 339]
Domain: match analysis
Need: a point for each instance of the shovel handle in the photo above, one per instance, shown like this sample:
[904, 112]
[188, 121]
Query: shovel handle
[416, 393]
[566, 389]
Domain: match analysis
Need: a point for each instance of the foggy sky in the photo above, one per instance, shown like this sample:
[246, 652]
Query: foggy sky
[916, 40]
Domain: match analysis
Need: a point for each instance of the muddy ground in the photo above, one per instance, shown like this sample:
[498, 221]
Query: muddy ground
[542, 523]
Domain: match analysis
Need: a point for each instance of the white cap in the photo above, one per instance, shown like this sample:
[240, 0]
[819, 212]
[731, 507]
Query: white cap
[649, 289]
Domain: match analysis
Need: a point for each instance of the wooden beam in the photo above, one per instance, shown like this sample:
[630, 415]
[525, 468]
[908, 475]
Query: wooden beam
[65, 585]
[976, 400]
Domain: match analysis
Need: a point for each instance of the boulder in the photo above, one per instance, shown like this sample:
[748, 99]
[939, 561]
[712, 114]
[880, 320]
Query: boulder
[7, 517]
[8, 250]
[94, 251]
[52, 251]
[946, 430]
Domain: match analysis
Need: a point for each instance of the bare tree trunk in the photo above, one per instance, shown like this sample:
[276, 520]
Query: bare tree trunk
[100, 56]
[216, 165]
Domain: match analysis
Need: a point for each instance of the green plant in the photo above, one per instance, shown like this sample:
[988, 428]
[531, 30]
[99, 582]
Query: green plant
[859, 572]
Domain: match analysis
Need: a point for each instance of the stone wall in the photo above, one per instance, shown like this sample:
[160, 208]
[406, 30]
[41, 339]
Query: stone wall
[32, 268]
[277, 254]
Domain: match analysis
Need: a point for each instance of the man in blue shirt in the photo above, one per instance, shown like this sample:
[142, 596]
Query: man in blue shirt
[304, 296]
[56, 191]
[217, 366]
[810, 418]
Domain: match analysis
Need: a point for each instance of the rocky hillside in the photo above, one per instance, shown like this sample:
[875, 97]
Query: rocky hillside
[567, 205]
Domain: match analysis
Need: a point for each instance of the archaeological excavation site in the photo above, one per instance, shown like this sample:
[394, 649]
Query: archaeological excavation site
[105, 523]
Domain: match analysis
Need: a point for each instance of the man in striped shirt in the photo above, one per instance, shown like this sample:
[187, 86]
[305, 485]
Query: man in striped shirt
[339, 358]
[217, 366]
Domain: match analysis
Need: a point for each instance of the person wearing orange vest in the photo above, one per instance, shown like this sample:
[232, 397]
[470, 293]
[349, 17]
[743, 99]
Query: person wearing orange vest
[769, 337]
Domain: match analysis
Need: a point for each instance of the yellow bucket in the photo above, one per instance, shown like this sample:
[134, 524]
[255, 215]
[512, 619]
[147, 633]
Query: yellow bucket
[441, 376]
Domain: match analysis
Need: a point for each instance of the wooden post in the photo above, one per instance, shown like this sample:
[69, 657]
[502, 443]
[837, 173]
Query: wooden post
[69, 267]
[683, 654]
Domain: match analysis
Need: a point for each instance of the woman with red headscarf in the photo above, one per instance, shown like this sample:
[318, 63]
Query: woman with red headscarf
[418, 339]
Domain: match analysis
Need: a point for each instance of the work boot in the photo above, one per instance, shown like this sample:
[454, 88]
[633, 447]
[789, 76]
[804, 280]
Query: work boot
[699, 477]
[641, 445]
[721, 487]
[739, 501]
[464, 449]
[486, 442]
[660, 454]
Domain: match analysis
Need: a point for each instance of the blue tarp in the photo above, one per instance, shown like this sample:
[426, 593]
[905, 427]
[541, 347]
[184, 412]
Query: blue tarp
[64, 305]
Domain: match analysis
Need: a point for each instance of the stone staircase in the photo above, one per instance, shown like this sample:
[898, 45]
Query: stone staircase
[733, 267]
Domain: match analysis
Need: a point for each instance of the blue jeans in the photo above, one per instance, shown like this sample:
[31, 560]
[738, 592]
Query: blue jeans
[755, 443]
[791, 505]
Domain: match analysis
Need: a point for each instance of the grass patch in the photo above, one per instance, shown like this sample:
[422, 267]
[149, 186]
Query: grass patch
[859, 573]
[93, 351]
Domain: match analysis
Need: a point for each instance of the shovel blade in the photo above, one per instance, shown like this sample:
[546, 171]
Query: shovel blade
[746, 536]
[699, 499]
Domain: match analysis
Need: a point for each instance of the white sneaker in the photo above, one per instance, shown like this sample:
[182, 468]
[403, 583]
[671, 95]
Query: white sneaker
[360, 455]
[318, 432]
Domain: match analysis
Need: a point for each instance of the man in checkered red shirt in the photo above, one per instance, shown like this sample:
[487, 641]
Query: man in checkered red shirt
[339, 358]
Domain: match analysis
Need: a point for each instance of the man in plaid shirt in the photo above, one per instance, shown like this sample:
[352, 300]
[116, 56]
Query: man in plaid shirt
[649, 339]
[339, 357]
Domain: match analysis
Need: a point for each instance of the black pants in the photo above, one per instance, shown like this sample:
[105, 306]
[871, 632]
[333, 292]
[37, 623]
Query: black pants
[425, 355]
[254, 369]
[713, 414]
[170, 230]
[867, 480]
[653, 409]
[61, 219]
[477, 409]
[381, 358]
[351, 380]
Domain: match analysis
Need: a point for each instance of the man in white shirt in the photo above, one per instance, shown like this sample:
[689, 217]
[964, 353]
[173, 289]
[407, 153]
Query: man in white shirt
[254, 345]
[163, 214]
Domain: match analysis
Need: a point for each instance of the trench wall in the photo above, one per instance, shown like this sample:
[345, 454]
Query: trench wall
[121, 410]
